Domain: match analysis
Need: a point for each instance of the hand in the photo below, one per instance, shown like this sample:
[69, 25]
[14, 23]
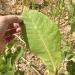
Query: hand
[9, 25]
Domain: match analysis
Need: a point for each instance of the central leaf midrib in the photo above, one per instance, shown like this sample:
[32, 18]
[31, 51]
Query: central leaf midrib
[50, 56]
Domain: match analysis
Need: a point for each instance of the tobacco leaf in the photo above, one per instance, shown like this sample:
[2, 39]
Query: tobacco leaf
[42, 38]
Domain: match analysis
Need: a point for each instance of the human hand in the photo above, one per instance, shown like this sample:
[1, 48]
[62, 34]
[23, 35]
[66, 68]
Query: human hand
[9, 25]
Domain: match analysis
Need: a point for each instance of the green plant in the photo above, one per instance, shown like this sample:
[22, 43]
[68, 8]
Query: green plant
[42, 37]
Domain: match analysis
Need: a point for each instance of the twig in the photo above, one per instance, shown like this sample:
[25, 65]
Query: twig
[25, 59]
[19, 38]
[30, 65]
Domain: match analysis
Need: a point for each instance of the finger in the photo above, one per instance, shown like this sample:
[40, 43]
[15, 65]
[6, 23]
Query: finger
[10, 32]
[12, 19]
[17, 26]
[11, 26]
[14, 25]
[9, 38]
[18, 29]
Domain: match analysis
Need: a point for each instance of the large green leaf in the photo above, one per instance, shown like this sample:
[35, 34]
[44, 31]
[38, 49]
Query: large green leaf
[42, 37]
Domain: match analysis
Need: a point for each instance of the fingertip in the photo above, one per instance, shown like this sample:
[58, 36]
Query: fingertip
[18, 29]
[16, 25]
